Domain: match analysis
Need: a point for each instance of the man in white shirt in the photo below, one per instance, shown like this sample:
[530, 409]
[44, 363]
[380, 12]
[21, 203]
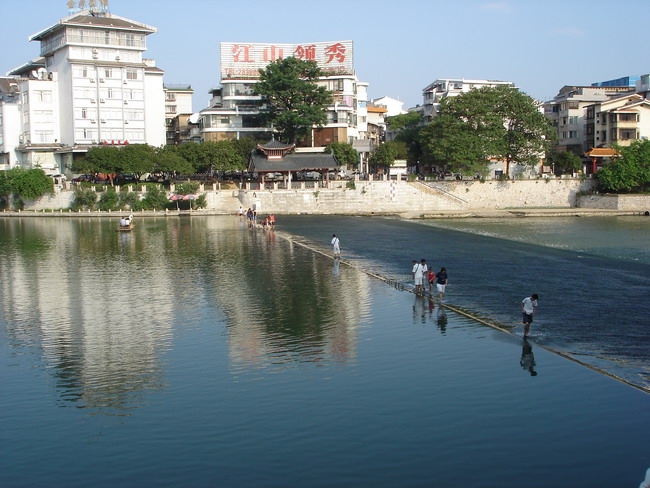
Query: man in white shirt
[336, 246]
[528, 306]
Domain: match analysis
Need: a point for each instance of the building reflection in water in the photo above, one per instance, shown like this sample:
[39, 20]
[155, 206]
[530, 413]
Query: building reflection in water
[102, 307]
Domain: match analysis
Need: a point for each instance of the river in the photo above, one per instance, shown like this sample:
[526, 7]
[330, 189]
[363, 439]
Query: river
[196, 351]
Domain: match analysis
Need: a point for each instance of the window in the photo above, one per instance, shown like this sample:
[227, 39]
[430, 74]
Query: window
[573, 120]
[335, 85]
[131, 74]
[43, 116]
[627, 134]
[108, 73]
[43, 95]
[44, 136]
[84, 113]
[573, 134]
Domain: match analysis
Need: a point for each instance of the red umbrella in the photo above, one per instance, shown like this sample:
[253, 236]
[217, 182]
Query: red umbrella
[177, 196]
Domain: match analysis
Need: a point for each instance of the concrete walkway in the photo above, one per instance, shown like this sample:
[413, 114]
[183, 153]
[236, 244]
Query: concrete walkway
[522, 212]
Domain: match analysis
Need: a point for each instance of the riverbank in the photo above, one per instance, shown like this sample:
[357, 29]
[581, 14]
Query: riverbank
[442, 214]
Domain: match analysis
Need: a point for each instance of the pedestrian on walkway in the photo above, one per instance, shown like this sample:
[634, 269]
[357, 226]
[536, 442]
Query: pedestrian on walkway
[528, 306]
[336, 246]
[441, 283]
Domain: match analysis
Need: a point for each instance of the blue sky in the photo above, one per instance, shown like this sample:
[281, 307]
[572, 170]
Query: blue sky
[399, 46]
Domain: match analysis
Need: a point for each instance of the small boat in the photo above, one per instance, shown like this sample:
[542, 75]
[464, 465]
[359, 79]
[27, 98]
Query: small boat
[126, 224]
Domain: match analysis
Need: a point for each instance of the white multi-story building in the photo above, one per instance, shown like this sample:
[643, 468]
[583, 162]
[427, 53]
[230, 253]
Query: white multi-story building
[89, 86]
[567, 110]
[178, 113]
[234, 110]
[442, 88]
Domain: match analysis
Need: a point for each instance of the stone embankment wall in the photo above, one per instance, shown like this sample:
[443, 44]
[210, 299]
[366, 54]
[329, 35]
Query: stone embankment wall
[419, 197]
[615, 202]
[400, 197]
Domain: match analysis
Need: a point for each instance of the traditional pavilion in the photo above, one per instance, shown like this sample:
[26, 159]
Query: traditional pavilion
[277, 157]
[601, 153]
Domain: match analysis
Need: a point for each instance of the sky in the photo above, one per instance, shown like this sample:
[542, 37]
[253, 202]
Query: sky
[400, 47]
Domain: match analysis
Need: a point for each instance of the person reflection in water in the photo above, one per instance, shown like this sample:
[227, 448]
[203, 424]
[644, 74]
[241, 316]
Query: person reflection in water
[527, 358]
[335, 269]
[442, 320]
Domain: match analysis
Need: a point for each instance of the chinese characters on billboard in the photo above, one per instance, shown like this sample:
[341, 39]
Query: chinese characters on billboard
[244, 60]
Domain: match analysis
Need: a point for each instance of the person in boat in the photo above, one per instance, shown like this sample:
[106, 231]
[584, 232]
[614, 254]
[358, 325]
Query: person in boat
[123, 222]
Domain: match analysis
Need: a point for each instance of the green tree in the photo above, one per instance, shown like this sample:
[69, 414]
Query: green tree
[564, 162]
[484, 124]
[99, 159]
[137, 159]
[385, 154]
[451, 145]
[295, 102]
[344, 153]
[25, 184]
[400, 122]
[630, 173]
[170, 161]
[408, 129]
[245, 147]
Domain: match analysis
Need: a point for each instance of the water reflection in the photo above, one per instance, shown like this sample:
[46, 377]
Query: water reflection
[527, 360]
[102, 307]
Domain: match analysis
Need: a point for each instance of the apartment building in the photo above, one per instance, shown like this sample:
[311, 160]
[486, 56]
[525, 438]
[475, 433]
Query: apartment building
[178, 114]
[234, 110]
[568, 112]
[619, 120]
[442, 88]
[89, 86]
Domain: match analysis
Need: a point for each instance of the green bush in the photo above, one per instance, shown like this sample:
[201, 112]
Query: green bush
[84, 199]
[155, 198]
[109, 200]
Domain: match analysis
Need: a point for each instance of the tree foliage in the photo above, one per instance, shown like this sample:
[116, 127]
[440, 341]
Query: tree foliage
[385, 154]
[25, 184]
[138, 159]
[344, 153]
[490, 123]
[400, 122]
[295, 102]
[564, 162]
[630, 173]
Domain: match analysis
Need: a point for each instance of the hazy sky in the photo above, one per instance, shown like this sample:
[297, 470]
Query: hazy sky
[399, 46]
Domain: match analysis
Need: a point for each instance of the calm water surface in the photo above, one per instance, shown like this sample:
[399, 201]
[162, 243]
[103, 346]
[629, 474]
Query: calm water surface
[198, 352]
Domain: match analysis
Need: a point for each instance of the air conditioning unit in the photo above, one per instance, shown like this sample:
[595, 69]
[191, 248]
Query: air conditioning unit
[125, 82]
[101, 80]
[117, 58]
[94, 51]
[103, 121]
[92, 80]
[92, 100]
[126, 102]
[95, 56]
[126, 121]
[93, 121]
[101, 100]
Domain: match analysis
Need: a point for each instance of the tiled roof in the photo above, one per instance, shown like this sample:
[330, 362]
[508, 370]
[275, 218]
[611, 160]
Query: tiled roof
[86, 19]
[274, 144]
[293, 162]
[602, 152]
